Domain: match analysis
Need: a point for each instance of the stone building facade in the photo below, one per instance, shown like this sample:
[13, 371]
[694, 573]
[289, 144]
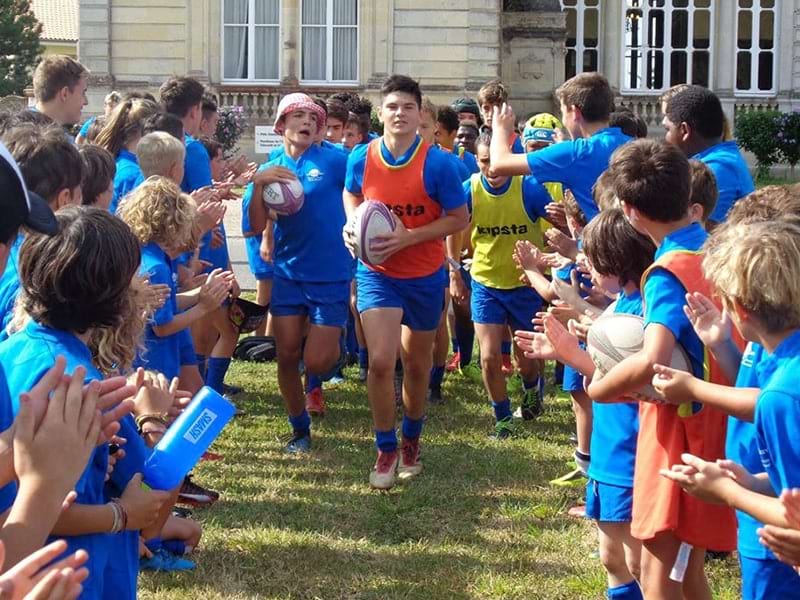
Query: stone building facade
[251, 52]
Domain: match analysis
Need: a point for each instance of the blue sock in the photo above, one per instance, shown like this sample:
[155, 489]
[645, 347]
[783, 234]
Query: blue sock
[201, 364]
[386, 441]
[505, 347]
[154, 545]
[437, 374]
[351, 342]
[398, 366]
[629, 591]
[363, 358]
[301, 424]
[529, 385]
[176, 547]
[412, 428]
[215, 372]
[312, 381]
[466, 340]
[502, 409]
[454, 342]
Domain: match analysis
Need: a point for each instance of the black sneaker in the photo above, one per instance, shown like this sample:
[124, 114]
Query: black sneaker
[196, 495]
[231, 390]
[503, 429]
[181, 512]
[362, 374]
[435, 395]
[532, 405]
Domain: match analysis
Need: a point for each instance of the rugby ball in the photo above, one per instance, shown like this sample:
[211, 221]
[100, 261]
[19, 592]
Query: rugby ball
[284, 198]
[371, 219]
[614, 337]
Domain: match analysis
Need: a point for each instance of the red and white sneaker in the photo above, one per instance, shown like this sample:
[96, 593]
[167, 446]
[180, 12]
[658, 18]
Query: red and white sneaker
[315, 403]
[454, 364]
[410, 465]
[508, 367]
[211, 456]
[385, 471]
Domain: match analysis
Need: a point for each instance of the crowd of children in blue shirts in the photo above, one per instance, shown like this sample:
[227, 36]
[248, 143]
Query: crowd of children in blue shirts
[117, 282]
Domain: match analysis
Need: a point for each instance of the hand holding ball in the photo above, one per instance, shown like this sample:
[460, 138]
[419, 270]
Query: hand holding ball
[284, 198]
[371, 220]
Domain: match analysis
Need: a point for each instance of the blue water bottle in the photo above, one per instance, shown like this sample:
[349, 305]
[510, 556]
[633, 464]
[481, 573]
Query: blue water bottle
[186, 439]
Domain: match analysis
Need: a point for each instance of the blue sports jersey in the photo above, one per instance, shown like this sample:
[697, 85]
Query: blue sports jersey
[777, 418]
[84, 131]
[160, 353]
[128, 173]
[440, 175]
[247, 197]
[9, 491]
[576, 164]
[534, 196]
[516, 146]
[9, 282]
[309, 244]
[664, 295]
[468, 158]
[732, 175]
[616, 425]
[25, 357]
[741, 447]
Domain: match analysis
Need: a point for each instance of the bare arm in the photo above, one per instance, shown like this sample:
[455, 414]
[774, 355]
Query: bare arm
[505, 162]
[83, 519]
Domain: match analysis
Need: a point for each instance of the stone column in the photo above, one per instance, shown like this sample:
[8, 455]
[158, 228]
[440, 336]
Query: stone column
[376, 33]
[94, 50]
[290, 38]
[198, 27]
[484, 51]
[533, 53]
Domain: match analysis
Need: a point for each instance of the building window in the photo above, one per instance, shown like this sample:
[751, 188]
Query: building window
[755, 46]
[583, 36]
[329, 46]
[251, 40]
[666, 43]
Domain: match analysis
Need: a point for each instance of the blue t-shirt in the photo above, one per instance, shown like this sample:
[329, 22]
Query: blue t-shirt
[534, 195]
[247, 197]
[576, 164]
[25, 357]
[308, 244]
[777, 418]
[161, 354]
[468, 158]
[665, 296]
[128, 173]
[85, 127]
[732, 175]
[9, 491]
[9, 282]
[741, 447]
[616, 425]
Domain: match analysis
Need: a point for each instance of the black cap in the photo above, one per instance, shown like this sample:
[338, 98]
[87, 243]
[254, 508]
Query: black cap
[466, 105]
[18, 205]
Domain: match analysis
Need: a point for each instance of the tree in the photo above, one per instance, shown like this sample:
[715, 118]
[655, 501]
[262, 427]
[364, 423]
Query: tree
[19, 45]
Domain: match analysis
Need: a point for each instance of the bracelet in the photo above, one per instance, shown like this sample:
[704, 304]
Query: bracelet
[116, 526]
[159, 418]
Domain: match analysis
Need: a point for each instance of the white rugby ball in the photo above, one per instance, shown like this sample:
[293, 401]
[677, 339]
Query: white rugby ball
[372, 218]
[614, 337]
[284, 198]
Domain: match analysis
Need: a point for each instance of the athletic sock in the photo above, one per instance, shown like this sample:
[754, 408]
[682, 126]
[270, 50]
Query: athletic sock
[201, 364]
[312, 382]
[386, 441]
[412, 428]
[301, 424]
[466, 340]
[582, 460]
[177, 547]
[629, 591]
[454, 342]
[215, 372]
[154, 545]
[363, 358]
[437, 374]
[505, 347]
[502, 409]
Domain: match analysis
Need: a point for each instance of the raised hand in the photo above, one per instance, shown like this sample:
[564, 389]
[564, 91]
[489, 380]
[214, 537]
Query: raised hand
[674, 386]
[535, 345]
[33, 578]
[562, 243]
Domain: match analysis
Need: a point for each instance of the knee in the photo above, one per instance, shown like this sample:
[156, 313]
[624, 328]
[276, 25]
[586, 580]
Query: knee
[287, 356]
[317, 362]
[491, 360]
[381, 366]
[612, 556]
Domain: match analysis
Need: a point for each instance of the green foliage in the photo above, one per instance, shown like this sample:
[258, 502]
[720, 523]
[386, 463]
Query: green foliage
[19, 45]
[375, 124]
[757, 132]
[789, 138]
[230, 127]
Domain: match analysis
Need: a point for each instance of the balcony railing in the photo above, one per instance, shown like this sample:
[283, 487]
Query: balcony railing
[261, 104]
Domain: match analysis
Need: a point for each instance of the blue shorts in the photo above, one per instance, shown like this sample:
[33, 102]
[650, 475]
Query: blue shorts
[188, 355]
[608, 503]
[768, 579]
[325, 303]
[467, 277]
[516, 307]
[573, 380]
[260, 268]
[420, 298]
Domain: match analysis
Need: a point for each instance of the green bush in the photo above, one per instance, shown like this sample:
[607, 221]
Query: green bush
[789, 138]
[757, 132]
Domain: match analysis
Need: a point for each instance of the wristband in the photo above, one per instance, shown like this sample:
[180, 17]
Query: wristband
[116, 526]
[142, 419]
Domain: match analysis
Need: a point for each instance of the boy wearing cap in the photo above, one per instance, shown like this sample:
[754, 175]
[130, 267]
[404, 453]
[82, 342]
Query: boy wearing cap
[468, 111]
[304, 287]
[400, 300]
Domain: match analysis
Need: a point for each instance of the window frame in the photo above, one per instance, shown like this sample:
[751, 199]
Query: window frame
[251, 45]
[329, 27]
[667, 48]
[580, 10]
[754, 92]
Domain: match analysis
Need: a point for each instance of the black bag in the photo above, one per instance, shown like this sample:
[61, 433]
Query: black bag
[256, 348]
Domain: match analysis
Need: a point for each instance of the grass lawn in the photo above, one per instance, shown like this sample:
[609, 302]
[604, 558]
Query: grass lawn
[480, 522]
